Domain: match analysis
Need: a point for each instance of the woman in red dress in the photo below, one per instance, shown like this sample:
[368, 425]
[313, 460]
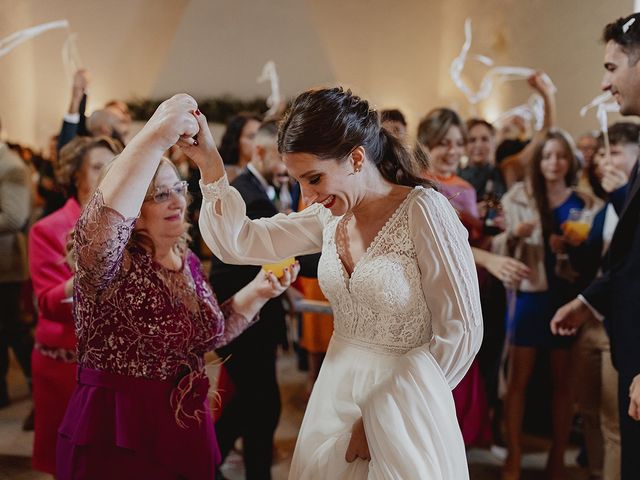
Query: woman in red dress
[54, 354]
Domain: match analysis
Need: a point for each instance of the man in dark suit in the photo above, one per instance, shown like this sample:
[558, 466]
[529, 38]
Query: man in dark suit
[254, 410]
[615, 296]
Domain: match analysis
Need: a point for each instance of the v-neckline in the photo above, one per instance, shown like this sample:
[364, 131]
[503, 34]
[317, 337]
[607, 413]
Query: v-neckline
[347, 279]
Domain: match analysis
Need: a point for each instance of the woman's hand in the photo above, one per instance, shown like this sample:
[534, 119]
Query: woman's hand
[634, 398]
[540, 83]
[506, 269]
[524, 229]
[203, 151]
[358, 446]
[173, 121]
[557, 243]
[269, 286]
[251, 298]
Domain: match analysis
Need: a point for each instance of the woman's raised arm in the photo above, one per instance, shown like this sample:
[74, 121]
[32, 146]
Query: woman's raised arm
[125, 184]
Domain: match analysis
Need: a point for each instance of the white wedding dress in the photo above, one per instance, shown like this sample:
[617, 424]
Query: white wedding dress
[407, 325]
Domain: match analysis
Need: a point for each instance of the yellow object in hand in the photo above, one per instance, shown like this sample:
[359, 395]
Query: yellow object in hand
[278, 268]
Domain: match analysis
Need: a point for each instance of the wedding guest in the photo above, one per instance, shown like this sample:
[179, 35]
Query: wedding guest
[535, 213]
[394, 121]
[54, 355]
[614, 295]
[444, 134]
[15, 205]
[252, 412]
[145, 315]
[236, 146]
[513, 156]
[481, 171]
[596, 378]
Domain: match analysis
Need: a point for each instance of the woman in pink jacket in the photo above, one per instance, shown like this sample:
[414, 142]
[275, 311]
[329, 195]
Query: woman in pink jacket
[54, 354]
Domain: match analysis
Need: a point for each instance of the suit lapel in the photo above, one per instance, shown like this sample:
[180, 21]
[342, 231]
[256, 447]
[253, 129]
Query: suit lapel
[635, 185]
[260, 192]
[256, 183]
[628, 219]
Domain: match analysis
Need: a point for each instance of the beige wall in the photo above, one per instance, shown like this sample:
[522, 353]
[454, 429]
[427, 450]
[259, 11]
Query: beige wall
[123, 43]
[394, 53]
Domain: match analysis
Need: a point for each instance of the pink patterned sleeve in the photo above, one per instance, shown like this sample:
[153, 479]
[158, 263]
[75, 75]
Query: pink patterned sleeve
[234, 324]
[230, 324]
[100, 238]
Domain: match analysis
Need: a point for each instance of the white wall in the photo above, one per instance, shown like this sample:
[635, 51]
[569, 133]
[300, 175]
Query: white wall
[397, 54]
[123, 44]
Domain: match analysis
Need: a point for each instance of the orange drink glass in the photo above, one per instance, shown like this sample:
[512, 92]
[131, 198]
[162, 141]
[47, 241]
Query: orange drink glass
[578, 225]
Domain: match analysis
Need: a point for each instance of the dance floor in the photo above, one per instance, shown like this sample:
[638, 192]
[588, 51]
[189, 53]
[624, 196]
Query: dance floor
[15, 445]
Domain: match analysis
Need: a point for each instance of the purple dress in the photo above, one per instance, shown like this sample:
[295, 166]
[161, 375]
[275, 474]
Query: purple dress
[141, 407]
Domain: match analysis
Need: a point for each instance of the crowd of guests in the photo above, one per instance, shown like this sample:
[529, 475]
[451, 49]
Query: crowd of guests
[118, 283]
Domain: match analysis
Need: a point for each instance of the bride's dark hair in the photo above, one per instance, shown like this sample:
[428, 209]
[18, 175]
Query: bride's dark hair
[331, 122]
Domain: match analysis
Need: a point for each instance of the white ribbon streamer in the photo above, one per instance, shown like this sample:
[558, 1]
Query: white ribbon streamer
[604, 105]
[71, 57]
[493, 75]
[532, 112]
[270, 74]
[9, 43]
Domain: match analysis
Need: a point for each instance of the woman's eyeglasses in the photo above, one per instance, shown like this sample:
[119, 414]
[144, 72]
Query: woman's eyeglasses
[162, 194]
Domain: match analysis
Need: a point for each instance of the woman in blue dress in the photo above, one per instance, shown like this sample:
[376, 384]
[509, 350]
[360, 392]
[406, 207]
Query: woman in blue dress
[535, 214]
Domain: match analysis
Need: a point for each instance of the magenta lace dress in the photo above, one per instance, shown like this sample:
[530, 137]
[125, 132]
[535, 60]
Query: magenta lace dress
[140, 409]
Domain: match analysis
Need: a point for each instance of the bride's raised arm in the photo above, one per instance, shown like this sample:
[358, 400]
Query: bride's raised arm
[225, 227]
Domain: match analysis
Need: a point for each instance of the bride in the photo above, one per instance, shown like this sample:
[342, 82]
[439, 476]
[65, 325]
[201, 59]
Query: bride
[398, 271]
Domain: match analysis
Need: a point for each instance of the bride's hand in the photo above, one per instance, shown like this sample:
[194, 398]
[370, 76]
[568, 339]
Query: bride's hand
[358, 446]
[203, 151]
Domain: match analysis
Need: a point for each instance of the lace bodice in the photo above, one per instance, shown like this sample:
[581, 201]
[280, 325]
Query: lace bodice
[381, 306]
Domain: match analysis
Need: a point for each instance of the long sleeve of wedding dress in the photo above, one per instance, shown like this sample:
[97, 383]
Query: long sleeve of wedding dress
[410, 420]
[449, 283]
[235, 239]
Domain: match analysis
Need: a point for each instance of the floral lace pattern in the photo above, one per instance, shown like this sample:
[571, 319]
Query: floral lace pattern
[135, 317]
[381, 306]
[213, 191]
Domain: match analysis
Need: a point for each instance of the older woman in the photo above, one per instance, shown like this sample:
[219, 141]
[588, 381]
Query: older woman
[145, 316]
[54, 356]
